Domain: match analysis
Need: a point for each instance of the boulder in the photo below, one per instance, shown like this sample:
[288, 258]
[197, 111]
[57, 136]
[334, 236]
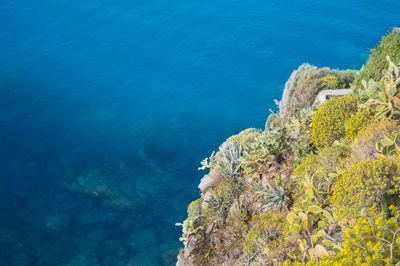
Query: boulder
[210, 180]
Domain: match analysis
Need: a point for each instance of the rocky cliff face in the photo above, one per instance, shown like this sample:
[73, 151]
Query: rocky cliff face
[304, 84]
[295, 192]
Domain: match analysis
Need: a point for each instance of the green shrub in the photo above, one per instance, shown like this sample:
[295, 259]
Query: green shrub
[328, 160]
[311, 225]
[389, 146]
[370, 183]
[328, 123]
[356, 123]
[221, 198]
[383, 98]
[264, 237]
[373, 240]
[268, 149]
[194, 208]
[246, 137]
[193, 225]
[363, 146]
[330, 81]
[389, 46]
[274, 196]
[298, 130]
[304, 85]
[228, 159]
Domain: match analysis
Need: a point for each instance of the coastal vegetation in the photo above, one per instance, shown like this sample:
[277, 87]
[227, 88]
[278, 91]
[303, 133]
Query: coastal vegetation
[320, 185]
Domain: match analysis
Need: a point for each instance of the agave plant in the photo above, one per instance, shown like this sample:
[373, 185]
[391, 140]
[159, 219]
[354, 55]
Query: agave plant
[383, 98]
[216, 203]
[229, 155]
[275, 196]
[273, 121]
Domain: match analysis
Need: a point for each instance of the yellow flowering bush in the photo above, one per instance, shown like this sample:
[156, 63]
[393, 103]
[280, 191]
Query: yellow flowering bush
[328, 123]
[366, 184]
[372, 241]
[330, 81]
[356, 123]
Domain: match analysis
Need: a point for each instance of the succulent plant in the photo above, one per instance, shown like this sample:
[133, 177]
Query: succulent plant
[298, 131]
[229, 155]
[388, 146]
[269, 147]
[275, 197]
[383, 98]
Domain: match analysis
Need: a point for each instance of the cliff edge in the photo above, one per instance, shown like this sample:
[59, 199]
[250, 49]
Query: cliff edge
[319, 185]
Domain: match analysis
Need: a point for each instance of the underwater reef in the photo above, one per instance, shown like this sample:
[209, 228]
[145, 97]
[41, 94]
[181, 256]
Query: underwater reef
[320, 185]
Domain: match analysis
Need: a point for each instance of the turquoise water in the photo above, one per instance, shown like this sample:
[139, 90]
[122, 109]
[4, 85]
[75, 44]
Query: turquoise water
[107, 107]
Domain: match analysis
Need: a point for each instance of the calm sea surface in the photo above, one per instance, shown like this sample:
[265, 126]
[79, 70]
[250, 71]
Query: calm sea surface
[107, 107]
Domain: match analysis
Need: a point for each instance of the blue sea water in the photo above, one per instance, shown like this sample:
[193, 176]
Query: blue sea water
[107, 107]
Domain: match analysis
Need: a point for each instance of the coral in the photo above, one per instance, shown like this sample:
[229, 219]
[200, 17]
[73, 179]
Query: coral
[96, 184]
[389, 46]
[328, 123]
[370, 183]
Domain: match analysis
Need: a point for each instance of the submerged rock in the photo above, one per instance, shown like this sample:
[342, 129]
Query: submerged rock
[141, 239]
[83, 260]
[57, 222]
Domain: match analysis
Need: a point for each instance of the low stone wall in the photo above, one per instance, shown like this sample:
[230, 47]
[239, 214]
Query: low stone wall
[326, 94]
